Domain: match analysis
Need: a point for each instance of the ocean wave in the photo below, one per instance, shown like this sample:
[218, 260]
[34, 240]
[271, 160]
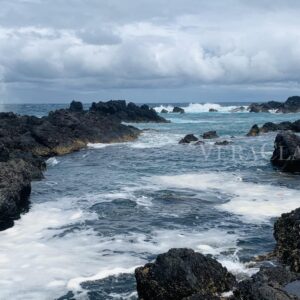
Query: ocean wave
[201, 108]
[251, 202]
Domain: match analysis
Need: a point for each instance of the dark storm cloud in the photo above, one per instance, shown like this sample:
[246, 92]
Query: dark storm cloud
[92, 47]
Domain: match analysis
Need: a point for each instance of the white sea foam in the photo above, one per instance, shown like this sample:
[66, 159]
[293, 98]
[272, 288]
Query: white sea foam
[52, 161]
[199, 107]
[103, 145]
[155, 139]
[252, 202]
[41, 258]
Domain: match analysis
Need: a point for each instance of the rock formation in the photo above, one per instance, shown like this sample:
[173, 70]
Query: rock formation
[177, 109]
[26, 141]
[188, 139]
[210, 135]
[292, 105]
[183, 274]
[286, 155]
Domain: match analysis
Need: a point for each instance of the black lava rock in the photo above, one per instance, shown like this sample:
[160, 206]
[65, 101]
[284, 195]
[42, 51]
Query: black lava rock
[118, 109]
[286, 155]
[254, 131]
[177, 109]
[76, 106]
[182, 273]
[287, 236]
[210, 135]
[268, 284]
[188, 139]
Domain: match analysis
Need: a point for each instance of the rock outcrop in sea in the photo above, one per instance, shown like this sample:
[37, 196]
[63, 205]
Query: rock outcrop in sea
[27, 141]
[178, 109]
[270, 127]
[287, 236]
[181, 274]
[291, 105]
[286, 155]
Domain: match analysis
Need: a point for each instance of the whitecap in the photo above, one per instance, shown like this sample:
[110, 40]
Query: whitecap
[52, 161]
[201, 108]
[252, 202]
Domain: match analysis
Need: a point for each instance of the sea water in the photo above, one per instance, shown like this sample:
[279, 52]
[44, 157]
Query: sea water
[105, 210]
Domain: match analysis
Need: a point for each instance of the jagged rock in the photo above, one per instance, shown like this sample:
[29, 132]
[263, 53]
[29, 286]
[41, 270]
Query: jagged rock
[287, 236]
[76, 106]
[270, 127]
[292, 105]
[188, 139]
[238, 109]
[26, 141]
[213, 110]
[254, 131]
[268, 284]
[15, 189]
[223, 143]
[130, 112]
[181, 273]
[199, 143]
[286, 155]
[164, 111]
[210, 135]
[177, 109]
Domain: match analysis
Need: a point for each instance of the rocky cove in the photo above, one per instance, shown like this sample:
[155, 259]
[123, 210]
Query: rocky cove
[26, 142]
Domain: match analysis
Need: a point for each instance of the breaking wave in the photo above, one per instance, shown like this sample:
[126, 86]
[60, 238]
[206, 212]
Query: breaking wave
[202, 108]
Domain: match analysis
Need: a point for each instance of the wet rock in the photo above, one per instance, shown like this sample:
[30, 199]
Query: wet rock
[188, 139]
[238, 109]
[254, 131]
[27, 141]
[223, 143]
[210, 135]
[177, 109]
[287, 236]
[291, 105]
[213, 110]
[182, 273]
[199, 143]
[164, 111]
[118, 109]
[270, 127]
[4, 153]
[286, 155]
[264, 107]
[268, 284]
[76, 106]
[15, 188]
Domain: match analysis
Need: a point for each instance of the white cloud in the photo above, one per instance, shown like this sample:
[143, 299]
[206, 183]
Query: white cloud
[245, 44]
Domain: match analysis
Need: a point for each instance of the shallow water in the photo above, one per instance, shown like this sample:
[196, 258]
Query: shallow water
[107, 209]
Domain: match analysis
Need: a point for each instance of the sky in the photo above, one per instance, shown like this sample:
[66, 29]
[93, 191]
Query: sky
[149, 50]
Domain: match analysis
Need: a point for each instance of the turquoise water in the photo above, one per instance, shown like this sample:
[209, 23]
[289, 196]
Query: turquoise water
[107, 209]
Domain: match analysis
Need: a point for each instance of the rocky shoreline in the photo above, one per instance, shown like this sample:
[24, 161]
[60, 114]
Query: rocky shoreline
[26, 142]
[291, 105]
[182, 274]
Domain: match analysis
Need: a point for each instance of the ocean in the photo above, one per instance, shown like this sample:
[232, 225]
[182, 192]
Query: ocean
[105, 210]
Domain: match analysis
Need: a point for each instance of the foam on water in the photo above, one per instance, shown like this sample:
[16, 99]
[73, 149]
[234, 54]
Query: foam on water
[255, 203]
[199, 107]
[103, 145]
[52, 161]
[51, 250]
[155, 139]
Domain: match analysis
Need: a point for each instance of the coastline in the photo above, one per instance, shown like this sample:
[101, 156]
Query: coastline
[26, 142]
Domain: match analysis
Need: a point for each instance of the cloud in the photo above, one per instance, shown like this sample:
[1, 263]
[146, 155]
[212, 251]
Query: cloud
[95, 45]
